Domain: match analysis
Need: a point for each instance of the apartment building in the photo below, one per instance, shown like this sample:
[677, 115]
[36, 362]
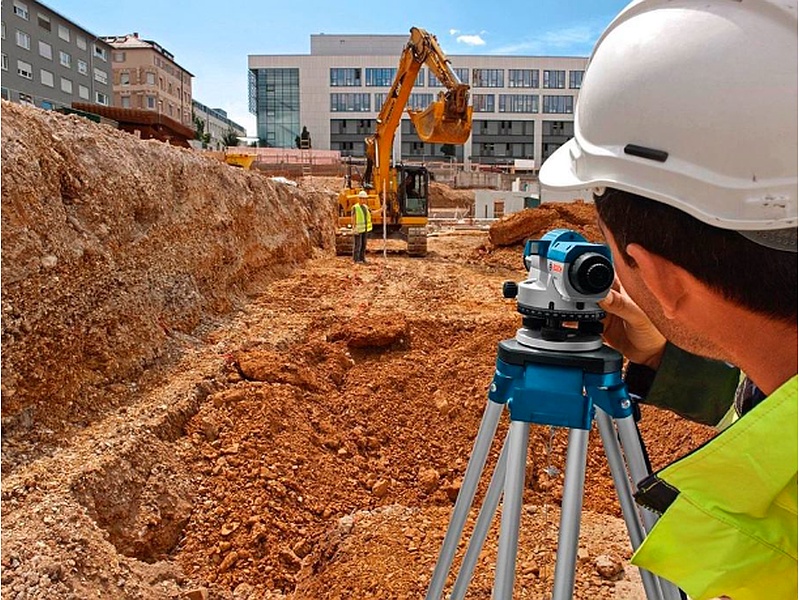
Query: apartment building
[146, 76]
[523, 105]
[217, 124]
[50, 61]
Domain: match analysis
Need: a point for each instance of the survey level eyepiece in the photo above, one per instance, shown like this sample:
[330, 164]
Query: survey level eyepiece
[567, 277]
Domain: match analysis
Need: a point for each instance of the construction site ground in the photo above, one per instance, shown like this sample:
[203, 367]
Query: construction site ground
[200, 400]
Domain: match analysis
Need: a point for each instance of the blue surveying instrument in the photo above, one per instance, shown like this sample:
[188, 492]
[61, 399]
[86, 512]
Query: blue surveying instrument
[562, 376]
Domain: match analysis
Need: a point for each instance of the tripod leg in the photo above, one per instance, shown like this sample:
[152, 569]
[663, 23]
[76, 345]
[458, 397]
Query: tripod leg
[480, 451]
[488, 510]
[518, 435]
[634, 455]
[571, 503]
[622, 484]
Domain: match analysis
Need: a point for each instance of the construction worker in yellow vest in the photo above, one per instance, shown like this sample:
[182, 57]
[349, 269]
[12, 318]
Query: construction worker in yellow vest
[696, 194]
[362, 225]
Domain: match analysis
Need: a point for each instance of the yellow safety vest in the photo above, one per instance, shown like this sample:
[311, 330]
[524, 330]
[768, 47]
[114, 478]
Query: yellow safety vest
[362, 218]
[731, 528]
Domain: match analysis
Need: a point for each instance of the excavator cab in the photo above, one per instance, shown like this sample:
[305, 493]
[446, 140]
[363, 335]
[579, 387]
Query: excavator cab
[412, 192]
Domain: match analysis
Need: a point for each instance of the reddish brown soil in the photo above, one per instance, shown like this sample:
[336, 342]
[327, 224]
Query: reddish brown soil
[295, 427]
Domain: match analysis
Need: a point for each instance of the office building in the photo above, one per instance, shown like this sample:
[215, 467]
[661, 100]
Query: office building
[217, 124]
[147, 77]
[50, 61]
[523, 105]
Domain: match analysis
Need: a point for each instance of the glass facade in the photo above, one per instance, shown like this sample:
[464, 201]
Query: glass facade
[275, 96]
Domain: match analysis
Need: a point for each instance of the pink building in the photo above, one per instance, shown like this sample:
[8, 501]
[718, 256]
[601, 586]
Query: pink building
[146, 76]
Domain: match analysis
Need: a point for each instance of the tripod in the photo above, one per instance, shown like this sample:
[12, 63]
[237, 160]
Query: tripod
[563, 389]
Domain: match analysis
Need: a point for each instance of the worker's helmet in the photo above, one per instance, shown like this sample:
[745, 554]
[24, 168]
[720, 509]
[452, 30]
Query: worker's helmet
[363, 194]
[693, 104]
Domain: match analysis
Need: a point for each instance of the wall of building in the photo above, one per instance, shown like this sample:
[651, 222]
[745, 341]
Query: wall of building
[50, 61]
[147, 77]
[217, 124]
[500, 133]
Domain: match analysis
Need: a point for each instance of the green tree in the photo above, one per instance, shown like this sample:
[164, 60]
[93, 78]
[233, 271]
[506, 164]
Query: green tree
[200, 130]
[230, 138]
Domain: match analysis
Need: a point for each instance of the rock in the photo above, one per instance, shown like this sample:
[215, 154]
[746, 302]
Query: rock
[200, 593]
[609, 568]
[381, 488]
[428, 480]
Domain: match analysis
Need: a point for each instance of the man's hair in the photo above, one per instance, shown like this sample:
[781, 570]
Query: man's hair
[756, 277]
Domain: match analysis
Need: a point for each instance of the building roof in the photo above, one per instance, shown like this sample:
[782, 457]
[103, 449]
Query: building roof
[132, 41]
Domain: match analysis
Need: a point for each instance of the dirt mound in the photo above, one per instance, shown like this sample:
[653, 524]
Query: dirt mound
[443, 196]
[114, 248]
[534, 222]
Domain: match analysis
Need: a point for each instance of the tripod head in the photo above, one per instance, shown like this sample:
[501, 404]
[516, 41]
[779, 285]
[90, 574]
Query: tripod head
[567, 277]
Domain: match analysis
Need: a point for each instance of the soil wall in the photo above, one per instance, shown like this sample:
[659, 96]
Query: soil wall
[115, 247]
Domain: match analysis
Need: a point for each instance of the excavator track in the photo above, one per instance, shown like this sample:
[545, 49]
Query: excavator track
[344, 243]
[417, 241]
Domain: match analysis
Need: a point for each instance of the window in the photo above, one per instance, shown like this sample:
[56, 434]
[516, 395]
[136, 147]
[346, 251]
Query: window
[346, 78]
[126, 101]
[101, 98]
[419, 101]
[575, 79]
[118, 57]
[21, 10]
[5, 62]
[65, 59]
[81, 41]
[463, 75]
[83, 92]
[553, 79]
[99, 52]
[100, 75]
[24, 69]
[487, 78]
[46, 50]
[380, 77]
[3, 30]
[44, 21]
[557, 104]
[519, 103]
[151, 102]
[523, 78]
[23, 40]
[47, 78]
[63, 32]
[26, 99]
[82, 67]
[151, 78]
[483, 102]
[66, 85]
[124, 78]
[349, 102]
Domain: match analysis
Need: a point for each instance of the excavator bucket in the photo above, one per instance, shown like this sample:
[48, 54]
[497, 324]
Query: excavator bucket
[435, 127]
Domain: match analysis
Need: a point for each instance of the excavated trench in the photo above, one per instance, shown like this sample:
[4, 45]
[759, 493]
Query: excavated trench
[200, 400]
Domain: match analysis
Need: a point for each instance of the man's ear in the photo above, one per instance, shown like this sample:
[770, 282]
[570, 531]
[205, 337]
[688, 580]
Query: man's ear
[666, 281]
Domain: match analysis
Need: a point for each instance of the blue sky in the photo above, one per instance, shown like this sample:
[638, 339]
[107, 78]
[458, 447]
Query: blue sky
[213, 39]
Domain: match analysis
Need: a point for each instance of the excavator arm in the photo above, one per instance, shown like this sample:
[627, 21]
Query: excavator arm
[448, 120]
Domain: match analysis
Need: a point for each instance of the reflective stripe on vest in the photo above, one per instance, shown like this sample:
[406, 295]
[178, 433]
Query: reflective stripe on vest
[732, 526]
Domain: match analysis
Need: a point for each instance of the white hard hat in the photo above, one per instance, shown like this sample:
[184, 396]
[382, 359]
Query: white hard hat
[693, 104]
[362, 194]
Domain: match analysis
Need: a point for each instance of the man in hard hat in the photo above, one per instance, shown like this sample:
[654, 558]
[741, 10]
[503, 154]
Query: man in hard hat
[686, 130]
[362, 225]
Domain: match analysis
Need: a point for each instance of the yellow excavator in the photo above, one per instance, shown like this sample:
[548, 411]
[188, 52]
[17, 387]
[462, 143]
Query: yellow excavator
[397, 195]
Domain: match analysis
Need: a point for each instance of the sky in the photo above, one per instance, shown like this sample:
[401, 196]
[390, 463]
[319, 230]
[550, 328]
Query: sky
[212, 40]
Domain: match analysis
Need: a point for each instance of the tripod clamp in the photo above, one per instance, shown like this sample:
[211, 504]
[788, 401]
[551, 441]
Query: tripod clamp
[547, 387]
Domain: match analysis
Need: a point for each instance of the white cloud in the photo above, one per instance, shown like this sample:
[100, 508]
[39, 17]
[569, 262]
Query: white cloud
[580, 39]
[471, 40]
[454, 31]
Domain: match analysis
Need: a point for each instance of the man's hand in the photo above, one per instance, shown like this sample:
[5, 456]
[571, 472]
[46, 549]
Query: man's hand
[628, 329]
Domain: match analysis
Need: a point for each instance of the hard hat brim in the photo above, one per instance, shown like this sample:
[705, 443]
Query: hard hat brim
[558, 171]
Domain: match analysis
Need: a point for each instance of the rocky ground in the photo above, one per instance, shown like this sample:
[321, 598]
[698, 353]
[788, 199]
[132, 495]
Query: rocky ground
[201, 401]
